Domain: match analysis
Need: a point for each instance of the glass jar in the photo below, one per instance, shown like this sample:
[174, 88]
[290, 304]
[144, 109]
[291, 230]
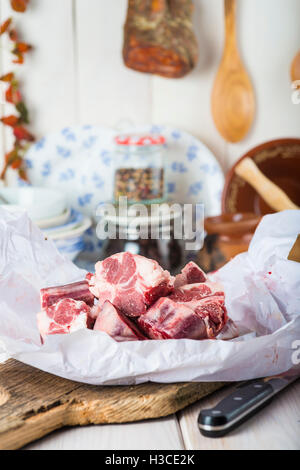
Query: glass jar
[140, 168]
[152, 237]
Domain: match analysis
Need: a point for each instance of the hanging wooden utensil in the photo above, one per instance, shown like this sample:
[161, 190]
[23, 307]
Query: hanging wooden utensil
[295, 68]
[233, 101]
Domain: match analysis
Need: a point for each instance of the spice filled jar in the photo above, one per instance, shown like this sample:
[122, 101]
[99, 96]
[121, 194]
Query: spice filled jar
[139, 168]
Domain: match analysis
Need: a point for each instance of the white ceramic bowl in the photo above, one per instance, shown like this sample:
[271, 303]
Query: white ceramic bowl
[70, 248]
[54, 221]
[70, 242]
[40, 203]
[76, 231]
[74, 221]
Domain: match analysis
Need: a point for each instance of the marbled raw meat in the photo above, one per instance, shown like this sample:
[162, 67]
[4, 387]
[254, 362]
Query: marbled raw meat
[111, 320]
[130, 282]
[168, 320]
[63, 317]
[191, 274]
[133, 286]
[75, 291]
[190, 294]
[213, 311]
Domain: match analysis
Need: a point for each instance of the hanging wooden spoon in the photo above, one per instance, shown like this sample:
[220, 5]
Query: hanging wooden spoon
[295, 68]
[233, 101]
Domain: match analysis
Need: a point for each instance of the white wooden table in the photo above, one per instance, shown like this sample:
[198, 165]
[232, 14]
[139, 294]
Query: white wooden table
[275, 427]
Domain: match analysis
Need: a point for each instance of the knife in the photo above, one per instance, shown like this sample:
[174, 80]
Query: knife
[244, 402]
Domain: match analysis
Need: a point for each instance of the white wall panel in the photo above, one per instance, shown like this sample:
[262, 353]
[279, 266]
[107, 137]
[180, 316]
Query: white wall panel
[76, 72]
[108, 91]
[185, 103]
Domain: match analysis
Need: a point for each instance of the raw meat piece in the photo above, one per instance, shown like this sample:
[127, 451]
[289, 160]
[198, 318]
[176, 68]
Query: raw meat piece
[168, 320]
[131, 283]
[66, 316]
[174, 316]
[191, 294]
[191, 274]
[206, 299]
[213, 311]
[230, 331]
[111, 321]
[76, 291]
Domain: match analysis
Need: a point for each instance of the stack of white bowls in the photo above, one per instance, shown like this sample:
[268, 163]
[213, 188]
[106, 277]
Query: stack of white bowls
[49, 210]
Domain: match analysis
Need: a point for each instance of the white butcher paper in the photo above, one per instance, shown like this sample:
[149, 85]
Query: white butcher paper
[262, 296]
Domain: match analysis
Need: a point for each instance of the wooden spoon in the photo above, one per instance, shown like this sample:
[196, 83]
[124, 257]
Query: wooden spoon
[295, 68]
[233, 102]
[269, 191]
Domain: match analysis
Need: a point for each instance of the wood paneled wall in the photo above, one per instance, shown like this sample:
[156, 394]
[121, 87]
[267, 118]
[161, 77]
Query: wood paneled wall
[76, 74]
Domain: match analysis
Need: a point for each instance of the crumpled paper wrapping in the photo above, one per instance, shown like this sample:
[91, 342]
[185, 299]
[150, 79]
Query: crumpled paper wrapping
[262, 296]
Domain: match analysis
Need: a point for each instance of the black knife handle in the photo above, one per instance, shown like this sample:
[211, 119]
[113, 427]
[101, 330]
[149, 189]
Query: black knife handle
[236, 408]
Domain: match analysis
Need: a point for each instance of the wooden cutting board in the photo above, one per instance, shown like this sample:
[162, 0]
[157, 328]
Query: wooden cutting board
[34, 403]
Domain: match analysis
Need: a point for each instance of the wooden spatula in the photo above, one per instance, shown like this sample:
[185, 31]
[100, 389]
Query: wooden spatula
[295, 68]
[233, 102]
[269, 191]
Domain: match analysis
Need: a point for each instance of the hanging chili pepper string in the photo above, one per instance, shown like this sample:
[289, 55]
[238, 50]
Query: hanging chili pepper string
[17, 121]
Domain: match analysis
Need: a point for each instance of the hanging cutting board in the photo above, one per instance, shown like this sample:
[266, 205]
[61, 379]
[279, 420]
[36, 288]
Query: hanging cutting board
[34, 403]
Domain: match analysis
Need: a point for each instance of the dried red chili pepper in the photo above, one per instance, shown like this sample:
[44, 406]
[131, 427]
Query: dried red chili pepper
[13, 35]
[19, 5]
[10, 156]
[11, 120]
[22, 47]
[19, 59]
[14, 158]
[4, 27]
[13, 95]
[23, 134]
[17, 163]
[9, 77]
